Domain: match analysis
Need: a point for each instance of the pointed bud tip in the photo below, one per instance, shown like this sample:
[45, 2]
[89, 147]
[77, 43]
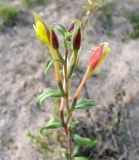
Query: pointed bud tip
[106, 48]
[71, 27]
[36, 16]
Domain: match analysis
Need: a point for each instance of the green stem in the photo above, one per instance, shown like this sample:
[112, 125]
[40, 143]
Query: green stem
[73, 64]
[67, 130]
[66, 82]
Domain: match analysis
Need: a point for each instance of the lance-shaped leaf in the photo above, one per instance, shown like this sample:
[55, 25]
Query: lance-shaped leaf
[80, 158]
[61, 29]
[72, 124]
[76, 150]
[48, 93]
[53, 123]
[48, 64]
[84, 141]
[85, 103]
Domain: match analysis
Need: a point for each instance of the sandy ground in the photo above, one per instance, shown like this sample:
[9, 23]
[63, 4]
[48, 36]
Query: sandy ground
[114, 85]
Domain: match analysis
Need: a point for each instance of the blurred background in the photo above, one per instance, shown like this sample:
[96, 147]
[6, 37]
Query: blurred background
[114, 85]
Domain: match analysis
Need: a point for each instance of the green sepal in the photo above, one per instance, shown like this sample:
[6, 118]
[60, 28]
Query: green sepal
[84, 141]
[48, 64]
[53, 123]
[85, 103]
[48, 93]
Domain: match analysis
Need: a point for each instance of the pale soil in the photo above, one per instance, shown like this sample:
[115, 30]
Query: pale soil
[114, 85]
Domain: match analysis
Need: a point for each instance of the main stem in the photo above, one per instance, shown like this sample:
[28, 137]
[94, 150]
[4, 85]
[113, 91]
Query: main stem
[67, 130]
[65, 101]
[66, 82]
[77, 93]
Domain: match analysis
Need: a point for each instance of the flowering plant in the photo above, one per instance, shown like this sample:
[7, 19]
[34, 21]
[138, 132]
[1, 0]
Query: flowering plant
[71, 37]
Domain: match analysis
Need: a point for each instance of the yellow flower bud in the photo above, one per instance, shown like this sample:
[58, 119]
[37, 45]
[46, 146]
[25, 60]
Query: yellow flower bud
[41, 29]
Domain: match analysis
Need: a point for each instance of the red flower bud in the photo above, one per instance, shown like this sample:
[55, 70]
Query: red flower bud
[97, 55]
[54, 39]
[77, 40]
[71, 27]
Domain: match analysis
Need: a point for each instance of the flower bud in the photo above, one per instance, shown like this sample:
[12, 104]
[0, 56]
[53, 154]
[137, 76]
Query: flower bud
[77, 40]
[54, 39]
[71, 27]
[41, 29]
[98, 54]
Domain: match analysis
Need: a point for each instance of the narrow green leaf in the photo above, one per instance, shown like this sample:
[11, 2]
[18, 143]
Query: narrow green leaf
[72, 124]
[53, 123]
[61, 29]
[48, 64]
[85, 103]
[48, 93]
[80, 158]
[84, 141]
[76, 150]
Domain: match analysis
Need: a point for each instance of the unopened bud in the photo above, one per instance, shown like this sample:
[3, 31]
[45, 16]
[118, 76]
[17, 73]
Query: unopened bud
[98, 54]
[54, 39]
[77, 40]
[71, 27]
[41, 29]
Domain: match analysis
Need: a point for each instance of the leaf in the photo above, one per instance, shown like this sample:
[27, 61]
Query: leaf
[80, 158]
[53, 123]
[48, 64]
[48, 93]
[72, 124]
[85, 103]
[61, 29]
[84, 141]
[76, 150]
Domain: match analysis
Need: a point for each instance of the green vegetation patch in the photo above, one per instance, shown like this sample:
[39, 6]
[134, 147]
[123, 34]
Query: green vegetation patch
[134, 19]
[8, 13]
[107, 9]
[31, 3]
